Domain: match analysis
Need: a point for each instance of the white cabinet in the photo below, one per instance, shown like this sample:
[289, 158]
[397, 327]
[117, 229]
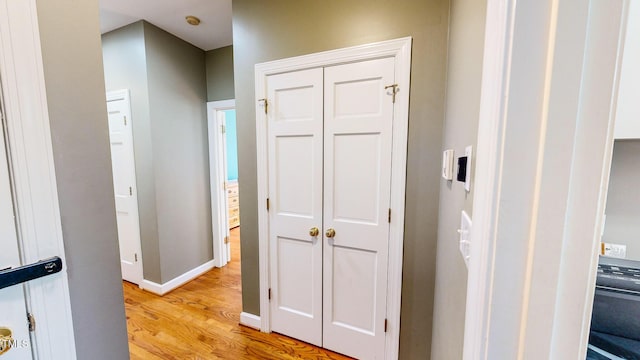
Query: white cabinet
[628, 107]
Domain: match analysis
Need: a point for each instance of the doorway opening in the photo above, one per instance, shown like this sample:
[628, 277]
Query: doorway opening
[615, 331]
[225, 193]
[307, 161]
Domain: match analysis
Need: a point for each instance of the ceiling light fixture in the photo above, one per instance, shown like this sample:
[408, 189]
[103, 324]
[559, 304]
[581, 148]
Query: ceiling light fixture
[192, 20]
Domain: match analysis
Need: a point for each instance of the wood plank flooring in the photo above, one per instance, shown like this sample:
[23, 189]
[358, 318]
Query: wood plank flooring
[200, 320]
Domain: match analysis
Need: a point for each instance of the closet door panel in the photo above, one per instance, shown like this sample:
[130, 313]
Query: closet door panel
[295, 196]
[357, 185]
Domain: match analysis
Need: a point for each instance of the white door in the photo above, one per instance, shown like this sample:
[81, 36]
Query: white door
[13, 314]
[329, 141]
[124, 183]
[357, 188]
[295, 190]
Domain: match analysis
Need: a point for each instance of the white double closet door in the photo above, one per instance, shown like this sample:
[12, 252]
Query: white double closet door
[329, 140]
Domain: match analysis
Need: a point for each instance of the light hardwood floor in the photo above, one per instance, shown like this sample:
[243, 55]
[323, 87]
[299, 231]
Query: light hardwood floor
[200, 320]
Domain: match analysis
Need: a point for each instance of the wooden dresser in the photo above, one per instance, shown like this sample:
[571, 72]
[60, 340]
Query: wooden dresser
[234, 204]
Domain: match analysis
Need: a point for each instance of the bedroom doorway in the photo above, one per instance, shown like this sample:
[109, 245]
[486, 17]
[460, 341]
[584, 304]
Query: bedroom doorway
[223, 159]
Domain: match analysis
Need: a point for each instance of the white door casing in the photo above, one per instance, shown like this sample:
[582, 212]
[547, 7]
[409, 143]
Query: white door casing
[295, 195]
[543, 312]
[218, 179]
[400, 51]
[226, 248]
[124, 184]
[357, 170]
[35, 196]
[12, 299]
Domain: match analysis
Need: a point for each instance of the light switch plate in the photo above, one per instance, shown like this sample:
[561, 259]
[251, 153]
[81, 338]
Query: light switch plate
[468, 151]
[447, 164]
[465, 237]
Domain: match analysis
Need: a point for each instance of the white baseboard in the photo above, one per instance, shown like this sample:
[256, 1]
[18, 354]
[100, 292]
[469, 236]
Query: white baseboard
[250, 320]
[161, 289]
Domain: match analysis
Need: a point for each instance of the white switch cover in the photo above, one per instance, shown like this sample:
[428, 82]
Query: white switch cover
[468, 152]
[465, 237]
[447, 164]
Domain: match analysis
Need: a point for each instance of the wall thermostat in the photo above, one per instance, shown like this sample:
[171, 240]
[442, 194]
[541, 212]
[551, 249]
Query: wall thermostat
[464, 168]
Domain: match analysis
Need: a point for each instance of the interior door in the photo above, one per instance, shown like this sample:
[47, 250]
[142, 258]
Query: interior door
[357, 188]
[329, 141]
[295, 197]
[124, 183]
[14, 330]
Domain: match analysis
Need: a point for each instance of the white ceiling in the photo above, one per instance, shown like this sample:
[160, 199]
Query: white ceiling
[213, 32]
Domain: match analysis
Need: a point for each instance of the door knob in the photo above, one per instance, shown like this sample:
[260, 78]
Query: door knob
[314, 231]
[330, 233]
[6, 339]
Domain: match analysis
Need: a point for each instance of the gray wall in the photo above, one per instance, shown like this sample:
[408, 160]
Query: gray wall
[276, 29]
[78, 117]
[177, 102]
[167, 80]
[623, 201]
[125, 67]
[219, 64]
[464, 75]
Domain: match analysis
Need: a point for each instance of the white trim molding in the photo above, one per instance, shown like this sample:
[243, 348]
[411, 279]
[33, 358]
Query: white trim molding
[34, 180]
[162, 289]
[400, 49]
[250, 320]
[543, 156]
[219, 205]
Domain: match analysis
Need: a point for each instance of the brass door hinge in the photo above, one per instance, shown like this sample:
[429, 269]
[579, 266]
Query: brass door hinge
[269, 293]
[389, 215]
[226, 239]
[267, 204]
[385, 325]
[265, 102]
[223, 129]
[32, 322]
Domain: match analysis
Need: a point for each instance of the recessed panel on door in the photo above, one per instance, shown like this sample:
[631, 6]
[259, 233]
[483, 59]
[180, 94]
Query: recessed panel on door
[354, 285]
[295, 162]
[295, 276]
[295, 104]
[356, 197]
[357, 171]
[295, 197]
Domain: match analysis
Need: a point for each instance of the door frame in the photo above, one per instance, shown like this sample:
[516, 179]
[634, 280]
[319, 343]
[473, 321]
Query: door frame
[533, 298]
[124, 94]
[33, 174]
[400, 49]
[218, 173]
